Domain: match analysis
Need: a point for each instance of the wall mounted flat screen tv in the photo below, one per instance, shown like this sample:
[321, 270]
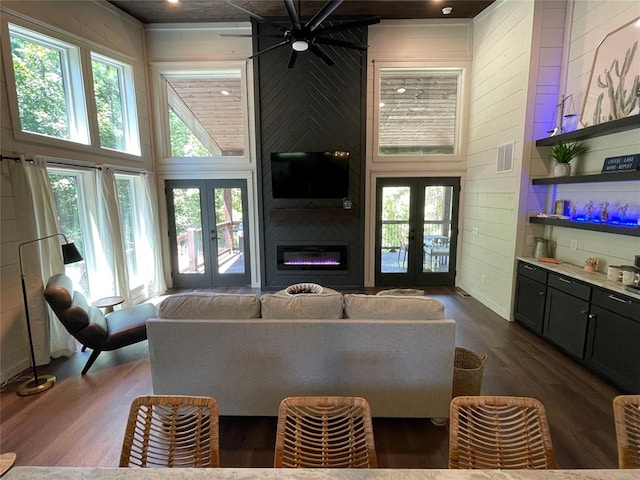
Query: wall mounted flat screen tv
[310, 174]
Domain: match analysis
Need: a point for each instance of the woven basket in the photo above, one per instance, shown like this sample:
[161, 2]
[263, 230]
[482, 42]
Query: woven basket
[468, 367]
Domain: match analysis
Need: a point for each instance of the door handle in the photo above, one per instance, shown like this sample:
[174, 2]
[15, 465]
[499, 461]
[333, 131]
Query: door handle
[214, 235]
[565, 280]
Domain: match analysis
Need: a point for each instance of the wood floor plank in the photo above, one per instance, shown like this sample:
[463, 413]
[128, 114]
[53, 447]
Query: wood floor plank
[80, 421]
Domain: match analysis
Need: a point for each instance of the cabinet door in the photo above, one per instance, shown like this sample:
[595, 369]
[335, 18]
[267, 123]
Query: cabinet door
[565, 321]
[529, 303]
[612, 348]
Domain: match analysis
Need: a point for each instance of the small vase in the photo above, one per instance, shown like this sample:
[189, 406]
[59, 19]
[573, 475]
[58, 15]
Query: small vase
[562, 170]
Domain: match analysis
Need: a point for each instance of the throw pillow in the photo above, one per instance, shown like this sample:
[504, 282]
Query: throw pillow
[304, 305]
[210, 306]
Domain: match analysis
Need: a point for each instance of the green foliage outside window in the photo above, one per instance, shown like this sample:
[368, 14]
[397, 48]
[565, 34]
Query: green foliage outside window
[40, 88]
[106, 84]
[65, 192]
[184, 143]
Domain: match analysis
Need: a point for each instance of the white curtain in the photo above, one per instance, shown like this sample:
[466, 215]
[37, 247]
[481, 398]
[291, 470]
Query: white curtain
[109, 276]
[36, 218]
[149, 219]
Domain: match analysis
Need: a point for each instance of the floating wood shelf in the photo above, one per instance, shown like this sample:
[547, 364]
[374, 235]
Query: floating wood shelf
[595, 227]
[614, 126]
[598, 177]
[311, 214]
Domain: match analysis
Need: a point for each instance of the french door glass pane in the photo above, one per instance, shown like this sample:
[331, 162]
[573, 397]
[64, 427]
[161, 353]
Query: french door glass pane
[127, 209]
[188, 218]
[395, 229]
[437, 228]
[229, 227]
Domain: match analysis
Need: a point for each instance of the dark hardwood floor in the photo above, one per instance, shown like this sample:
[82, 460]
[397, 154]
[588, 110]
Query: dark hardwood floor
[80, 421]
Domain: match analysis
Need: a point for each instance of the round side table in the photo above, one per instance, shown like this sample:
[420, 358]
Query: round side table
[108, 303]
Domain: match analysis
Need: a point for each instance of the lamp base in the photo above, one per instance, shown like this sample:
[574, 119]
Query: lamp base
[36, 385]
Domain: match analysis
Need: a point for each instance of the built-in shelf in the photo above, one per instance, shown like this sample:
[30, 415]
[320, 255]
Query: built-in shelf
[311, 214]
[598, 177]
[614, 126]
[595, 227]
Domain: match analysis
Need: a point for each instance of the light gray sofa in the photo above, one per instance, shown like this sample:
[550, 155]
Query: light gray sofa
[402, 365]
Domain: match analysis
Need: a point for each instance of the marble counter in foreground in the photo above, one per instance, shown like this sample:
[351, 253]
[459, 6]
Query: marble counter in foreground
[69, 473]
[597, 279]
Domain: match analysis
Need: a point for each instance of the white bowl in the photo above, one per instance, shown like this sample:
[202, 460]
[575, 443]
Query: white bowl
[303, 288]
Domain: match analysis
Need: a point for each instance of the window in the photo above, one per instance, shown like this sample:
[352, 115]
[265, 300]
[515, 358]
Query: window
[207, 113]
[49, 88]
[418, 111]
[115, 104]
[51, 98]
[68, 193]
[127, 207]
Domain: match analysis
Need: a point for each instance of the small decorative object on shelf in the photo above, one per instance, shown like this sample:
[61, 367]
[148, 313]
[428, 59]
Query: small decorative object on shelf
[562, 154]
[588, 210]
[591, 265]
[604, 214]
[621, 163]
[572, 210]
[561, 207]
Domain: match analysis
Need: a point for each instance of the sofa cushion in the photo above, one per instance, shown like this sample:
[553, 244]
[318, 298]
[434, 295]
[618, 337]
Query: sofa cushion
[389, 307]
[210, 306]
[304, 305]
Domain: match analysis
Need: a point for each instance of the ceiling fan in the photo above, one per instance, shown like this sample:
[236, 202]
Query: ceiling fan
[308, 36]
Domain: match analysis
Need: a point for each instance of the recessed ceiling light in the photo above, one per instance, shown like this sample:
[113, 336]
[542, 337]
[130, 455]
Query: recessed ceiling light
[225, 92]
[447, 10]
[381, 104]
[401, 90]
[173, 1]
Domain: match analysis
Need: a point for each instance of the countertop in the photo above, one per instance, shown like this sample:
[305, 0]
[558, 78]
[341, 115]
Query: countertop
[70, 473]
[598, 279]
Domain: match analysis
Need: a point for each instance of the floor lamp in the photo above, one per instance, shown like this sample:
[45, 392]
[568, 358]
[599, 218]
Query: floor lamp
[41, 383]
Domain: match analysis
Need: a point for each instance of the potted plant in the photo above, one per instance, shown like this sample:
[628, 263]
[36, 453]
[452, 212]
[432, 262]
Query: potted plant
[563, 153]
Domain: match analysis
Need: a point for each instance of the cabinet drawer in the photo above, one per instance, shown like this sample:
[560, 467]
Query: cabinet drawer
[617, 303]
[570, 286]
[531, 271]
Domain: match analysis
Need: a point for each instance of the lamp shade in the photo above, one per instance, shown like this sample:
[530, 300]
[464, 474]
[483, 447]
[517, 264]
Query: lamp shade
[70, 253]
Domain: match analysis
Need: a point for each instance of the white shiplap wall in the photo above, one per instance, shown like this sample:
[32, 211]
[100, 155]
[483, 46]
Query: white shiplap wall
[591, 22]
[499, 84]
[107, 30]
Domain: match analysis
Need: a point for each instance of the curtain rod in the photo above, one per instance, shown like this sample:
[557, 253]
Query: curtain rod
[76, 165]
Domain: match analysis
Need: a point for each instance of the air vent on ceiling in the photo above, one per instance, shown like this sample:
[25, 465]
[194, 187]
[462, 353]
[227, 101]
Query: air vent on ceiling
[505, 158]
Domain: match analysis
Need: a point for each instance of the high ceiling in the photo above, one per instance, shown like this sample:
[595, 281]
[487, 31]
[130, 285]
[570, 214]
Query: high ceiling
[191, 11]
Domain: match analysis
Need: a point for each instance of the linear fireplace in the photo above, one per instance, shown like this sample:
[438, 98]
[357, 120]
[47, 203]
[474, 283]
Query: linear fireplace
[312, 257]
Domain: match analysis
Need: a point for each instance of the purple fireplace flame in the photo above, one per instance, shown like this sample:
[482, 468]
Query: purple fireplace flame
[298, 257]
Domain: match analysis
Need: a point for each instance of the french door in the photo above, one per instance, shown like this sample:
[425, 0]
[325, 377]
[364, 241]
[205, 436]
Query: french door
[416, 231]
[208, 234]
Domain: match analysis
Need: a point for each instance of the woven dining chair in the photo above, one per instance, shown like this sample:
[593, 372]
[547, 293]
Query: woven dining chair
[499, 433]
[325, 432]
[626, 414]
[171, 431]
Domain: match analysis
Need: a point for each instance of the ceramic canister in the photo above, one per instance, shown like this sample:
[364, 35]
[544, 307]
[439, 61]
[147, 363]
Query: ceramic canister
[614, 273]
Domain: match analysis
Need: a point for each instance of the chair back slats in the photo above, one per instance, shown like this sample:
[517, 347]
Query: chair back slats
[171, 431]
[626, 412]
[499, 433]
[325, 432]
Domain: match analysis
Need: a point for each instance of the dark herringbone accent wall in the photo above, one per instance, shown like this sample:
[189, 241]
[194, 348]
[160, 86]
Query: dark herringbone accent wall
[311, 107]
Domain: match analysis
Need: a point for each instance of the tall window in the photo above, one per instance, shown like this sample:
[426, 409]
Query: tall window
[48, 82]
[115, 104]
[127, 206]
[417, 111]
[72, 217]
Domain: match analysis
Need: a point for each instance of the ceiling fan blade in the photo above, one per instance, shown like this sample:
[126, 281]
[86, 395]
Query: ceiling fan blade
[347, 25]
[322, 54]
[322, 14]
[256, 16]
[340, 43]
[272, 47]
[292, 58]
[293, 15]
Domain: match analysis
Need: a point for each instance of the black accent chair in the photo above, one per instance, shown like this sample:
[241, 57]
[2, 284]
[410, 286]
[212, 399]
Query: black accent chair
[90, 326]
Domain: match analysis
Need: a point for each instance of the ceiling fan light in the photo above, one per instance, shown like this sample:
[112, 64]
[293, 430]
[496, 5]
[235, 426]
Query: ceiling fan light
[300, 45]
[447, 10]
